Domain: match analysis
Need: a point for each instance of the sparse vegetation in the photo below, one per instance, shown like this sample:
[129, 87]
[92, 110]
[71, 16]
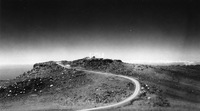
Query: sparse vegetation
[168, 83]
[162, 87]
[49, 83]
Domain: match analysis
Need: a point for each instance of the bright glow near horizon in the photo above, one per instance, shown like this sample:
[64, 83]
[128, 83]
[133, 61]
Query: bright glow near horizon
[133, 55]
[139, 32]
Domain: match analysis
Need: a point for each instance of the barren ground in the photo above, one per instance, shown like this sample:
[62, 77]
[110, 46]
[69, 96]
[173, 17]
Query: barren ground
[164, 88]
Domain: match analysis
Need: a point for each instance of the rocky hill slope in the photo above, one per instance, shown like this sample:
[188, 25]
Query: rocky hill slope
[49, 84]
[164, 87]
[172, 87]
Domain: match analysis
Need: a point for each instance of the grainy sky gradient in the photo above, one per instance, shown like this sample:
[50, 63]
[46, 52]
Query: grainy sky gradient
[131, 30]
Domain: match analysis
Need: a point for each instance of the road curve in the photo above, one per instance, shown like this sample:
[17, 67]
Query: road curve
[121, 103]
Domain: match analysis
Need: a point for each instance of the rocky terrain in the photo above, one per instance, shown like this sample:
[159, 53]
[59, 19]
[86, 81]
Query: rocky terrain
[49, 84]
[172, 87]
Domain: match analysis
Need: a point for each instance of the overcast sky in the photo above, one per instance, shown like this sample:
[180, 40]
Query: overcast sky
[131, 30]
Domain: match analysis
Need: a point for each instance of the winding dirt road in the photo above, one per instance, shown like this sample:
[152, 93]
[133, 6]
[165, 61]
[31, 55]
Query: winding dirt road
[121, 103]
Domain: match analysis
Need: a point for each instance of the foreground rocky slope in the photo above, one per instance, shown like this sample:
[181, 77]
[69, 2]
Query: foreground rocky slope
[174, 87]
[48, 84]
[164, 87]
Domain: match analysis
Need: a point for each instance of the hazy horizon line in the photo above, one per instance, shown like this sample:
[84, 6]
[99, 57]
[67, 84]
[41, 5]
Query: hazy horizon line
[149, 62]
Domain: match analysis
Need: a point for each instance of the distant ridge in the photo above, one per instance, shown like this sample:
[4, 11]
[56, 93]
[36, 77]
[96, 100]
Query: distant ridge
[164, 62]
[182, 63]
